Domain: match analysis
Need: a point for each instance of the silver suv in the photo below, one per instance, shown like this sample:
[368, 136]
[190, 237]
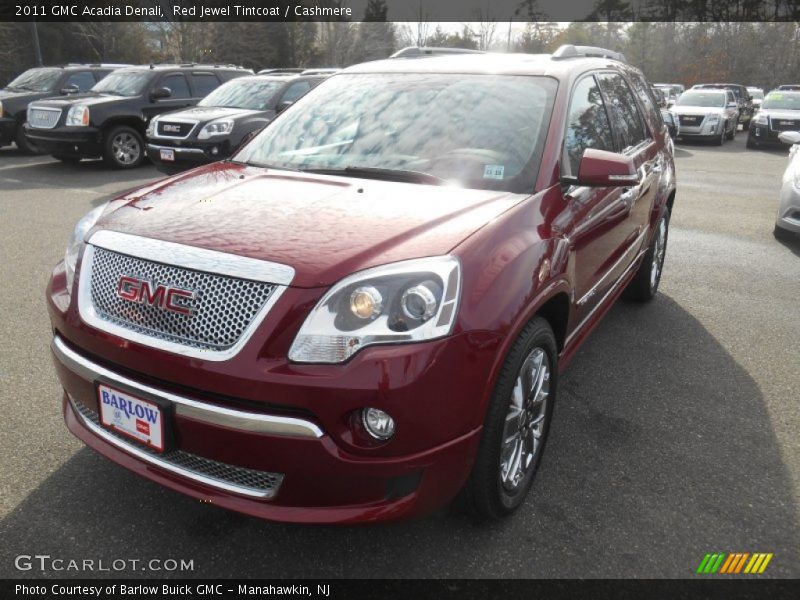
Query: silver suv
[709, 114]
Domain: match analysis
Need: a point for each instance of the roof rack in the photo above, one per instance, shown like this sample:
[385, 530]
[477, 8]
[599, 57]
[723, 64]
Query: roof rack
[323, 71]
[110, 65]
[196, 65]
[570, 51]
[420, 51]
[283, 71]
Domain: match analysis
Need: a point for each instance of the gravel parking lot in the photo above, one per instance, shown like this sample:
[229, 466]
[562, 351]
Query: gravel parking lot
[676, 431]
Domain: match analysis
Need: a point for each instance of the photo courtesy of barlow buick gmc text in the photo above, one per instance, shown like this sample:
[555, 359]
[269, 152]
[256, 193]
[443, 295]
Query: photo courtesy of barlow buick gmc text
[385, 298]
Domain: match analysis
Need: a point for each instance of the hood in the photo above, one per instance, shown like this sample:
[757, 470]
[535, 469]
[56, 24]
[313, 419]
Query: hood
[780, 113]
[209, 113]
[85, 99]
[697, 110]
[7, 94]
[325, 227]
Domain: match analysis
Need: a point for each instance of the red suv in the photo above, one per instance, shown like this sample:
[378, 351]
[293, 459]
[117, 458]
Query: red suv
[366, 310]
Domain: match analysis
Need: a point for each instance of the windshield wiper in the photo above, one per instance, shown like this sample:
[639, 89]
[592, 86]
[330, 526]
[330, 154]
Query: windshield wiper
[381, 173]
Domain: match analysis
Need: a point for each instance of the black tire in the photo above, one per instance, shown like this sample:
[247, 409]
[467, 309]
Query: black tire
[720, 139]
[746, 125]
[732, 134]
[123, 148]
[644, 285]
[784, 235]
[24, 145]
[485, 494]
[67, 159]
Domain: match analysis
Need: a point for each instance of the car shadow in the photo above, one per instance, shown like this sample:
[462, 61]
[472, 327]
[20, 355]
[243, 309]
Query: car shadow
[661, 450]
[792, 243]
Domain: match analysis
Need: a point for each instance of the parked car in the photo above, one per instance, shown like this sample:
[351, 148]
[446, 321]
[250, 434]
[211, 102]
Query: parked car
[709, 114]
[743, 99]
[659, 96]
[109, 121]
[366, 310]
[672, 122]
[757, 94]
[671, 91]
[789, 88]
[221, 121]
[779, 112]
[38, 83]
[787, 221]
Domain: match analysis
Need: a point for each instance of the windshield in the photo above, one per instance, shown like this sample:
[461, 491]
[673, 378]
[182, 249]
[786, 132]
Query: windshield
[782, 101]
[37, 80]
[480, 131]
[124, 83]
[704, 99]
[253, 94]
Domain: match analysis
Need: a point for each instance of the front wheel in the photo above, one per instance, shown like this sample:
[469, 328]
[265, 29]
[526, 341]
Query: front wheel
[732, 134]
[24, 145]
[516, 425]
[123, 148]
[720, 139]
[644, 285]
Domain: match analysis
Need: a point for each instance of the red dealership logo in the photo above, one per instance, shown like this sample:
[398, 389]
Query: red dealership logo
[161, 296]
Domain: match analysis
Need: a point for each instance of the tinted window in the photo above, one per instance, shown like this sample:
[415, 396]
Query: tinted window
[588, 125]
[204, 83]
[628, 125]
[647, 98]
[295, 91]
[177, 85]
[83, 79]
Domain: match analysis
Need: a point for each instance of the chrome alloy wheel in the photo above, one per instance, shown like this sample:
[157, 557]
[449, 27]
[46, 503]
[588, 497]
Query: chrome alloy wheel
[525, 421]
[658, 254]
[126, 148]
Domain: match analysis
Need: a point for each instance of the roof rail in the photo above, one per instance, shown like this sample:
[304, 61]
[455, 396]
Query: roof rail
[420, 51]
[323, 71]
[282, 71]
[570, 51]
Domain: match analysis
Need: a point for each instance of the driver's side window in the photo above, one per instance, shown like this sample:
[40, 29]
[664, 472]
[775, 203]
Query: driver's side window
[587, 125]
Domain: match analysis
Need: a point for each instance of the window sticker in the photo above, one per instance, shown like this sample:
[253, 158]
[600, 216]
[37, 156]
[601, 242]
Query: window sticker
[493, 171]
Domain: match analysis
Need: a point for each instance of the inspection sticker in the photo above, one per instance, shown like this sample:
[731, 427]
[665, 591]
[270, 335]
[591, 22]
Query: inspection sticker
[493, 172]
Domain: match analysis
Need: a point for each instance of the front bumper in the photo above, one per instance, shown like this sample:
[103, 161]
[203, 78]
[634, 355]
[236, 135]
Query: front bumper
[186, 157]
[223, 416]
[764, 134]
[80, 142]
[788, 216]
[8, 130]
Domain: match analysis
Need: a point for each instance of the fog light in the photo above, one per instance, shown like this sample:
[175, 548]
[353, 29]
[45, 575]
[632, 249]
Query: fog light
[214, 150]
[377, 423]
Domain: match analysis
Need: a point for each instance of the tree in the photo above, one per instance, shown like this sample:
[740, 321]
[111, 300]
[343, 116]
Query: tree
[376, 36]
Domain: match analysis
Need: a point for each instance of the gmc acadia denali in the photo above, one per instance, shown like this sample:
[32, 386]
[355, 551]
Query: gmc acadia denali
[365, 311]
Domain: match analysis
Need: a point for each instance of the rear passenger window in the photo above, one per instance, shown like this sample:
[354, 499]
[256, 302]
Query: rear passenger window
[648, 101]
[177, 85]
[204, 84]
[588, 125]
[625, 115]
[83, 79]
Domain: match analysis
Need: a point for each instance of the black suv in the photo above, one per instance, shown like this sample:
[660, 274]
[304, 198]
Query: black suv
[110, 120]
[221, 121]
[743, 99]
[38, 83]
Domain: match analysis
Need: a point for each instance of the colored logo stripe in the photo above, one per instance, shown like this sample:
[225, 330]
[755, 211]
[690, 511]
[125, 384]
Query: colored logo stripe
[734, 563]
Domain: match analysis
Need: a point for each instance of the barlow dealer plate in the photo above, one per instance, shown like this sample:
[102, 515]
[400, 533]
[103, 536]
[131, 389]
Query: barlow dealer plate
[134, 417]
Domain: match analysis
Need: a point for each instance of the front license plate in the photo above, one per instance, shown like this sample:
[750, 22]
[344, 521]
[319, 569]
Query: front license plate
[134, 417]
[167, 154]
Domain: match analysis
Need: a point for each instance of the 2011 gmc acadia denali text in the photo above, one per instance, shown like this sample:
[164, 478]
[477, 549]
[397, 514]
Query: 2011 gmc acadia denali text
[364, 312]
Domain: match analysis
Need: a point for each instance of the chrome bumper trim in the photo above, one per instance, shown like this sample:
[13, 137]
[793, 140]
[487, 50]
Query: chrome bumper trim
[185, 407]
[161, 463]
[176, 149]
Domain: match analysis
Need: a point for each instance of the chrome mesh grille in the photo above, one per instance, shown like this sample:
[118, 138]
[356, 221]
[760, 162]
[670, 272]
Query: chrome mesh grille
[41, 118]
[250, 479]
[223, 307]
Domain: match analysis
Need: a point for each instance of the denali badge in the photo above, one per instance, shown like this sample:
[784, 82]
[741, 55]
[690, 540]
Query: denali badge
[161, 296]
[172, 128]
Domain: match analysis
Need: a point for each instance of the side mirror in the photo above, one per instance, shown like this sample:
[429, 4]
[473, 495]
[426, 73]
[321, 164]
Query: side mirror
[789, 137]
[70, 89]
[600, 168]
[283, 106]
[160, 93]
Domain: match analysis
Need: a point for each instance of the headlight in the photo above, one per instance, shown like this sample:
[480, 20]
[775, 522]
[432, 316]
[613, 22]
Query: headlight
[1, 109]
[151, 128]
[219, 127]
[713, 119]
[409, 301]
[76, 241]
[760, 119]
[78, 116]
